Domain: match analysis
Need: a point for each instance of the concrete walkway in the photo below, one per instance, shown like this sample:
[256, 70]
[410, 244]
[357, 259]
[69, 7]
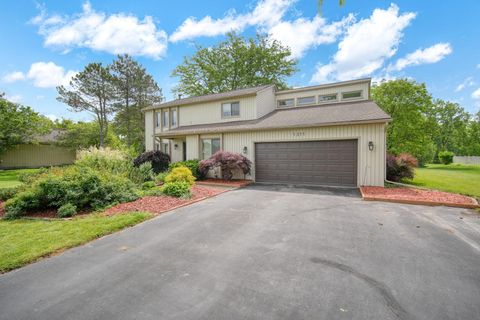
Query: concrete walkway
[265, 252]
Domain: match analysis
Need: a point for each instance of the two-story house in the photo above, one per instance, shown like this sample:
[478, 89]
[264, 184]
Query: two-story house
[330, 134]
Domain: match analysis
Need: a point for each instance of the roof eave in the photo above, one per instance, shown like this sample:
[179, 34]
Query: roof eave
[329, 124]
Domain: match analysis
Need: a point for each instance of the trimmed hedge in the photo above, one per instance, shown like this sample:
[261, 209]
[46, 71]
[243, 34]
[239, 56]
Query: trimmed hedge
[177, 189]
[446, 157]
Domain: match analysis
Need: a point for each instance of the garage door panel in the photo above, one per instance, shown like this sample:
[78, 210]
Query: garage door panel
[310, 162]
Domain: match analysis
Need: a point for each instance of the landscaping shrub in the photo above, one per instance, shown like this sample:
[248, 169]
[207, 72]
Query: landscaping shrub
[80, 186]
[180, 174]
[445, 157]
[140, 174]
[227, 161]
[400, 167]
[29, 177]
[177, 189]
[156, 191]
[160, 178]
[190, 164]
[148, 185]
[67, 210]
[7, 193]
[103, 159]
[158, 159]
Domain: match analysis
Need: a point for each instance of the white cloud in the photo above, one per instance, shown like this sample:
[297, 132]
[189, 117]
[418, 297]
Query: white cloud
[16, 98]
[478, 66]
[117, 33]
[366, 46]
[476, 94]
[300, 34]
[266, 13]
[428, 55]
[48, 74]
[13, 77]
[468, 82]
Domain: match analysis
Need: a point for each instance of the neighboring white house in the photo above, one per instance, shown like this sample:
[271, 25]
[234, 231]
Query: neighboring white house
[329, 134]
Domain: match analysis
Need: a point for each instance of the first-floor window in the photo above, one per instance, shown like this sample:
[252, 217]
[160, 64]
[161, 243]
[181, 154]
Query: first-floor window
[157, 146]
[209, 147]
[165, 148]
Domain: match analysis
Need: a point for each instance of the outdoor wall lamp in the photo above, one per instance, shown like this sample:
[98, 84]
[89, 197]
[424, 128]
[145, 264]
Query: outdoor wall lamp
[370, 145]
[245, 150]
[175, 146]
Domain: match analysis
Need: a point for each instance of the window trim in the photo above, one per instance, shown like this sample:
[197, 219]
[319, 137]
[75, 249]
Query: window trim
[230, 103]
[288, 106]
[326, 95]
[352, 98]
[306, 104]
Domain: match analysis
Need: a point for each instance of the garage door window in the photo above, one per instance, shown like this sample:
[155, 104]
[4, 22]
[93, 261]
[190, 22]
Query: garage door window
[209, 147]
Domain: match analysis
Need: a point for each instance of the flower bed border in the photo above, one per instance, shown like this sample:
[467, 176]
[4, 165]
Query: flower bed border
[473, 205]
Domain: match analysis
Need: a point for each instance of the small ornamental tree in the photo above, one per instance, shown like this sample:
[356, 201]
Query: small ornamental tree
[227, 162]
[158, 159]
[401, 166]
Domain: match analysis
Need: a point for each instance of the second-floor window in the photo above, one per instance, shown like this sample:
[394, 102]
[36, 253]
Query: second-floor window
[174, 117]
[230, 109]
[157, 119]
[165, 119]
[327, 97]
[305, 100]
[351, 95]
[286, 103]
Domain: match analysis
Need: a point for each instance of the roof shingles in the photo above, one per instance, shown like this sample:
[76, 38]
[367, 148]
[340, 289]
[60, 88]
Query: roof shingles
[322, 115]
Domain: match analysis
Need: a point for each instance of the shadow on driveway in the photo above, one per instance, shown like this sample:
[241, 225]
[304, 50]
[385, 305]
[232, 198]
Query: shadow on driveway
[330, 191]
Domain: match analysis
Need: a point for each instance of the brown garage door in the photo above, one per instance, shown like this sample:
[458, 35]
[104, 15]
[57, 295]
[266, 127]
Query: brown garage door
[307, 162]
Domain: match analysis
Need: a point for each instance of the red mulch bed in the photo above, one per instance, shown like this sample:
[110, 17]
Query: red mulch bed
[160, 204]
[418, 196]
[227, 183]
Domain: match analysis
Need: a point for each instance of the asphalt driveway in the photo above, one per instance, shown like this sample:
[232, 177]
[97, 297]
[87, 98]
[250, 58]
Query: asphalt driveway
[265, 252]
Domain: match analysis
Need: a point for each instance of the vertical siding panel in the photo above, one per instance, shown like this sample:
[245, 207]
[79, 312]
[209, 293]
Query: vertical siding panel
[370, 163]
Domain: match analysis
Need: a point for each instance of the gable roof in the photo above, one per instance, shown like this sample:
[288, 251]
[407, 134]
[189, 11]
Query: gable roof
[358, 112]
[211, 97]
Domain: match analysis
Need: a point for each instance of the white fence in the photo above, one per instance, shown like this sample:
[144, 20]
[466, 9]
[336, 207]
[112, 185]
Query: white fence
[467, 159]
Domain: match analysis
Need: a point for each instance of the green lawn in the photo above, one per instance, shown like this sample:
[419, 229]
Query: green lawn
[23, 241]
[9, 178]
[457, 178]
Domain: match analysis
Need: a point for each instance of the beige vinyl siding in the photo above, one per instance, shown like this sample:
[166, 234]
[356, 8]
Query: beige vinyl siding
[149, 127]
[265, 102]
[371, 164]
[364, 86]
[193, 148]
[36, 156]
[211, 112]
[177, 154]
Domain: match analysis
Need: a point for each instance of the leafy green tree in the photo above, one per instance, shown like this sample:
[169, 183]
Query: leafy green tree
[19, 124]
[450, 126]
[408, 103]
[473, 137]
[135, 89]
[91, 90]
[81, 135]
[233, 64]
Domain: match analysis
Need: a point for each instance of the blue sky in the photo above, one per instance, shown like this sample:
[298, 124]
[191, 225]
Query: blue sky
[45, 43]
